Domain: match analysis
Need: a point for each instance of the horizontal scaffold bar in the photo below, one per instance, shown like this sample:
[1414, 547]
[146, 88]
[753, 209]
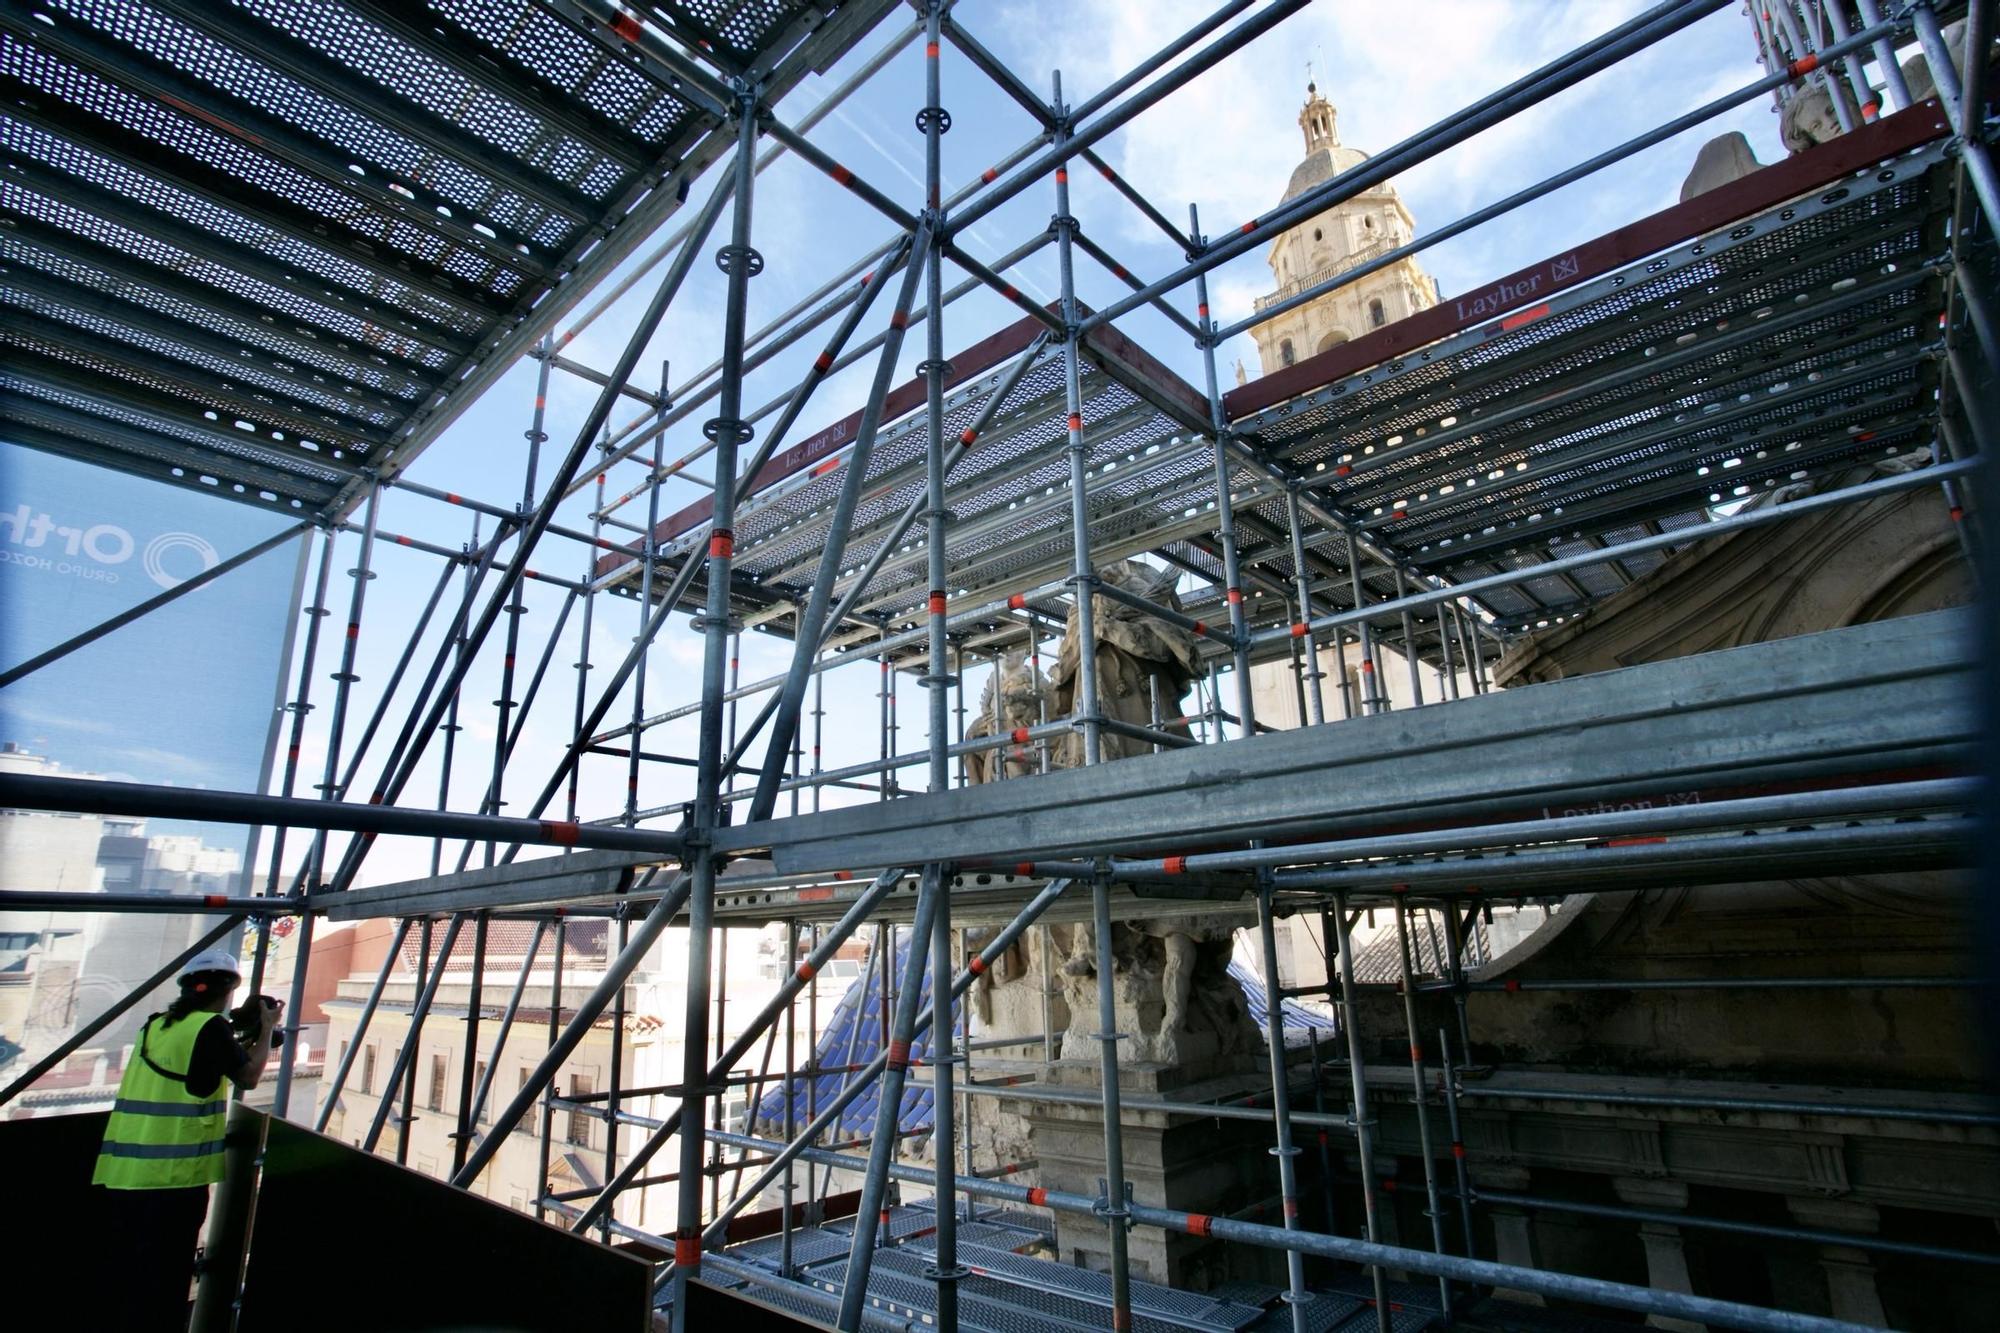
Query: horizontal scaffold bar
[138, 799]
[1868, 703]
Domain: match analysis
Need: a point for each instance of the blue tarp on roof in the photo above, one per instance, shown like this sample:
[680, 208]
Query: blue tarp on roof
[853, 1036]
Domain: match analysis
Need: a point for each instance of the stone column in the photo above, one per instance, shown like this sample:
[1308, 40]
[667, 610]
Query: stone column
[1513, 1228]
[1850, 1274]
[1666, 1251]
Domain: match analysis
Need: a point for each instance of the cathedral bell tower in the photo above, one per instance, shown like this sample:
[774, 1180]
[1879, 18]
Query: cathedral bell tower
[1330, 243]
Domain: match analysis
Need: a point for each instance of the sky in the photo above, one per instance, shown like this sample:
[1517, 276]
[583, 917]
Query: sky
[1226, 143]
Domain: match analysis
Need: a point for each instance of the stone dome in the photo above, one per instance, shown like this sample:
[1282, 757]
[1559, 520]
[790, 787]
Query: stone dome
[1320, 166]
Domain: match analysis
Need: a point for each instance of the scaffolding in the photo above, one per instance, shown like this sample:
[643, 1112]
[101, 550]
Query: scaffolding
[190, 240]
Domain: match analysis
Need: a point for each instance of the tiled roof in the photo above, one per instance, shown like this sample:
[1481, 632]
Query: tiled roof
[586, 944]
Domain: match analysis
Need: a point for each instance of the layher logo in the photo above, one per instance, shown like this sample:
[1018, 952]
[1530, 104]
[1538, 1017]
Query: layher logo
[33, 539]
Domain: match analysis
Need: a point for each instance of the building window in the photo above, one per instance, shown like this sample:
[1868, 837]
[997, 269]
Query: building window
[579, 1120]
[1286, 356]
[479, 1081]
[368, 1068]
[1316, 234]
[1377, 316]
[1369, 223]
[436, 1099]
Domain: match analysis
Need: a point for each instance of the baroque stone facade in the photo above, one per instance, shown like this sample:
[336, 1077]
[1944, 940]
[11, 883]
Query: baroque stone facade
[1327, 244]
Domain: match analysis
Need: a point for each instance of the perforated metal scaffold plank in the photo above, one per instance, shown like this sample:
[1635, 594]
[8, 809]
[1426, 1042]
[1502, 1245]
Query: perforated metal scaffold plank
[258, 247]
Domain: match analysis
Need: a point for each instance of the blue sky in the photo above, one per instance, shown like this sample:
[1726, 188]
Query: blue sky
[1227, 142]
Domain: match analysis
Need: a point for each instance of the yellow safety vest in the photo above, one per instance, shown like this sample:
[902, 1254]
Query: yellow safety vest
[159, 1136]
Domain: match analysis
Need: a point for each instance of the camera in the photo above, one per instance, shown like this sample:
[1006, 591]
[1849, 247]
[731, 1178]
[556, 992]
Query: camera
[246, 1020]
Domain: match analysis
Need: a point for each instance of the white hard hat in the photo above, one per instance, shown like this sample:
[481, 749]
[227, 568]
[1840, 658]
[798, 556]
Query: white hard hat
[212, 960]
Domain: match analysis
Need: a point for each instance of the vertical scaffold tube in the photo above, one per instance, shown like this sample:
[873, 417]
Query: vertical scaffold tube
[343, 679]
[728, 431]
[1303, 578]
[1371, 683]
[1083, 575]
[1364, 1128]
[461, 1138]
[1410, 646]
[791, 1085]
[1281, 1105]
[317, 612]
[1117, 1216]
[536, 436]
[647, 561]
[1450, 1088]
[1225, 503]
[938, 680]
[1421, 1100]
[555, 1028]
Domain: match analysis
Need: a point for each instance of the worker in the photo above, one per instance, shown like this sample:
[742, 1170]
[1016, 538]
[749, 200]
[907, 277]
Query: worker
[163, 1144]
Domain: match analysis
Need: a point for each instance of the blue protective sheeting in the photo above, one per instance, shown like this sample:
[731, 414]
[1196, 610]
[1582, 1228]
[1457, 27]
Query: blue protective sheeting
[853, 1036]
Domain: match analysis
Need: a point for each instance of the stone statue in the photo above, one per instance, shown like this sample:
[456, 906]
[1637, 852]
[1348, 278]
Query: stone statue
[1016, 696]
[1171, 985]
[1137, 656]
[1170, 974]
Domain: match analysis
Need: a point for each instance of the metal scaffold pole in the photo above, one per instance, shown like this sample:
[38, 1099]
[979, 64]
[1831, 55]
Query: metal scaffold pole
[937, 680]
[299, 708]
[1420, 1098]
[1225, 504]
[1334, 922]
[728, 431]
[1281, 1105]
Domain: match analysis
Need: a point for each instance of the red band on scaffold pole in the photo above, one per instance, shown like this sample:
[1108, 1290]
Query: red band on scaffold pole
[627, 27]
[1301, 629]
[214, 900]
[1020, 736]
[976, 966]
[988, 176]
[687, 1251]
[930, 50]
[1025, 869]
[1201, 628]
[561, 833]
[1062, 175]
[722, 544]
[1198, 1224]
[841, 175]
[1174, 865]
[822, 363]
[1038, 1197]
[899, 1055]
[968, 435]
[843, 874]
[1803, 66]
[805, 971]
[1076, 421]
[1235, 596]
[900, 320]
[937, 603]
[1017, 601]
